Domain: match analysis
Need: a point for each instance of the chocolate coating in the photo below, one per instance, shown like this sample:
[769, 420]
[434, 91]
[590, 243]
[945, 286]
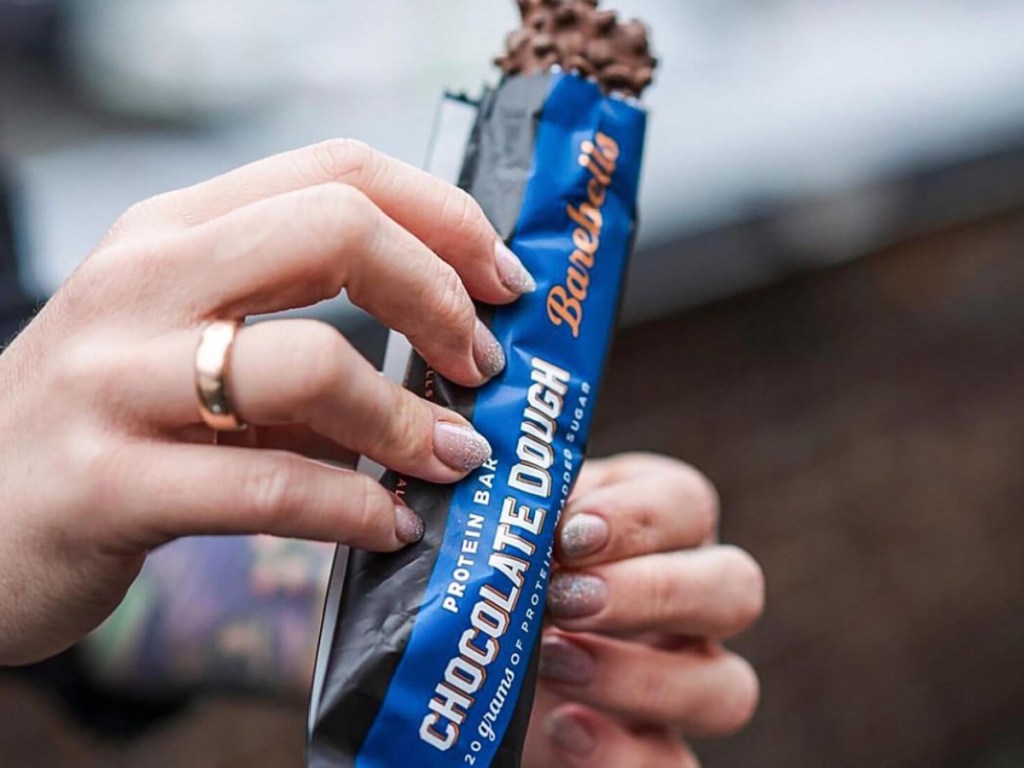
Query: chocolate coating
[577, 36]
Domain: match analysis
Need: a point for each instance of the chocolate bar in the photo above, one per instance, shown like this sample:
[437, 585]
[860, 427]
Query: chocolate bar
[576, 36]
[428, 657]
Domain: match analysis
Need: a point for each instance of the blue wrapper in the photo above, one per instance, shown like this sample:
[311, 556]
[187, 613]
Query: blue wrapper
[432, 659]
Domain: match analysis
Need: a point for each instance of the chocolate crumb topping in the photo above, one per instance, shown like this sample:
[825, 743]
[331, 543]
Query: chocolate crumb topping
[577, 36]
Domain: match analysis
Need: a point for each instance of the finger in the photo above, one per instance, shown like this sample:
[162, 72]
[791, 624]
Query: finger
[706, 694]
[290, 372]
[598, 472]
[306, 246]
[714, 592]
[660, 506]
[583, 738]
[623, 466]
[295, 438]
[447, 219]
[160, 492]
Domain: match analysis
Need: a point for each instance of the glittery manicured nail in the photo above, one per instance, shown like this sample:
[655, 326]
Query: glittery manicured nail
[576, 596]
[461, 448]
[489, 356]
[409, 527]
[583, 535]
[565, 662]
[570, 735]
[513, 274]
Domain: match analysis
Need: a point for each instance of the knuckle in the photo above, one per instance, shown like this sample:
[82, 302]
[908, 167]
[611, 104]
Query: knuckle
[410, 427]
[339, 221]
[453, 306]
[88, 366]
[338, 214]
[368, 507]
[127, 269]
[270, 492]
[360, 221]
[112, 260]
[460, 213]
[75, 366]
[664, 594]
[640, 529]
[345, 159]
[316, 358]
[137, 215]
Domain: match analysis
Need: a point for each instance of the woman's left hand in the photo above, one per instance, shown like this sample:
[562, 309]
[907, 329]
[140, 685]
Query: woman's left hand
[643, 597]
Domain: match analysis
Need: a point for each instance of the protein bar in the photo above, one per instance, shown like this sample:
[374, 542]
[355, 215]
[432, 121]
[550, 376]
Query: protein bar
[428, 658]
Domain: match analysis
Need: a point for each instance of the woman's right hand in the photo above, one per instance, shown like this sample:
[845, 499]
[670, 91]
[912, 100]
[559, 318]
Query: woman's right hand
[104, 456]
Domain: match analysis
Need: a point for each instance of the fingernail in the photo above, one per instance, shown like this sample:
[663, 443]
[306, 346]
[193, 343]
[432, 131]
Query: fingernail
[565, 662]
[576, 596]
[583, 535]
[489, 356]
[409, 527]
[460, 448]
[511, 271]
[569, 734]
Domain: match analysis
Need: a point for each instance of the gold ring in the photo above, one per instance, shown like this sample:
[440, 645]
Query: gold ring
[213, 365]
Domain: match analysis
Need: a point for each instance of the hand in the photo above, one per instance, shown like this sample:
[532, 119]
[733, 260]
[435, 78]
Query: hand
[643, 597]
[104, 457]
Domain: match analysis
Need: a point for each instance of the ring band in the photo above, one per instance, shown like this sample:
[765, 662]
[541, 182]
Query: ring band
[213, 364]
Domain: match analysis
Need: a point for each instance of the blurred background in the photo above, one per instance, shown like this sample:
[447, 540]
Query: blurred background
[826, 314]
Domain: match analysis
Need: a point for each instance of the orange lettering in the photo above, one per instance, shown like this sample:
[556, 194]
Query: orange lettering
[579, 283]
[604, 162]
[588, 217]
[562, 309]
[587, 161]
[610, 147]
[585, 241]
[582, 259]
[565, 302]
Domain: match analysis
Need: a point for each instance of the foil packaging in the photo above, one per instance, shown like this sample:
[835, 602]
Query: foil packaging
[428, 656]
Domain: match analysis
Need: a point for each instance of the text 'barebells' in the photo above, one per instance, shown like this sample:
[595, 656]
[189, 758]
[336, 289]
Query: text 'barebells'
[566, 302]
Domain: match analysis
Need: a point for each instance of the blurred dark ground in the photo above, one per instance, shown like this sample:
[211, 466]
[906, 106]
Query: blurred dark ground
[864, 425]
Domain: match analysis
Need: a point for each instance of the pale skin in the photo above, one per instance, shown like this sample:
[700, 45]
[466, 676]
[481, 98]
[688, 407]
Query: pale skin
[105, 458]
[646, 670]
